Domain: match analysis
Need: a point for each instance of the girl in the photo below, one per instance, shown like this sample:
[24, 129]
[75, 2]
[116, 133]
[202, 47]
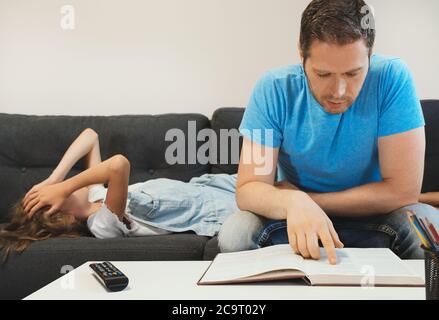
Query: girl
[81, 204]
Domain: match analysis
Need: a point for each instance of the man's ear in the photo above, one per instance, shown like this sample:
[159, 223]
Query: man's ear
[371, 52]
[300, 52]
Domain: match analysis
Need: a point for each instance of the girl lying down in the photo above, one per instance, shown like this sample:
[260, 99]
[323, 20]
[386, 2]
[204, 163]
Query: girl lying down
[81, 204]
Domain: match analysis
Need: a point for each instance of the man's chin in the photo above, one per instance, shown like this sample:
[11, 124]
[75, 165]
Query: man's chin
[334, 112]
[336, 108]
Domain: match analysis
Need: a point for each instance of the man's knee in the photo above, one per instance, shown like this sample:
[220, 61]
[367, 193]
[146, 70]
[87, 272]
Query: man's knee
[239, 232]
[407, 244]
[422, 210]
[417, 208]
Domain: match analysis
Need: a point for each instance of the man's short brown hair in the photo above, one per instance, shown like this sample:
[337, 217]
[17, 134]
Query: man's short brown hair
[336, 21]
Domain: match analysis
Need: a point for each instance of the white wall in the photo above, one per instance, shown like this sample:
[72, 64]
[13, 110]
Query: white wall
[160, 56]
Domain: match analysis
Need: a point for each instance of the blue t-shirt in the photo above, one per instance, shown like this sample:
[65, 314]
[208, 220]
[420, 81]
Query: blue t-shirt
[322, 152]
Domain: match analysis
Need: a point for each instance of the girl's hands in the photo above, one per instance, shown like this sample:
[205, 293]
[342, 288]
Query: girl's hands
[46, 195]
[38, 186]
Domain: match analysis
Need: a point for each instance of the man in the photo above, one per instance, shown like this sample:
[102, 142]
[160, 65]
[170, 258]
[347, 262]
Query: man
[345, 130]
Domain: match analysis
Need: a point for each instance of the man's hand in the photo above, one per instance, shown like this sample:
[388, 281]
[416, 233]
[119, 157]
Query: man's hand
[52, 196]
[307, 223]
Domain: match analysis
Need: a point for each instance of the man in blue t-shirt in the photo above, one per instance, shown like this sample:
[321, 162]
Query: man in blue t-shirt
[345, 131]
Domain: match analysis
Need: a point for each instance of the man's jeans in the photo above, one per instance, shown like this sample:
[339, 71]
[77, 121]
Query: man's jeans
[245, 231]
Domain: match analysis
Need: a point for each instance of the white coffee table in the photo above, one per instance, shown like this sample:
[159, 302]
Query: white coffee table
[177, 280]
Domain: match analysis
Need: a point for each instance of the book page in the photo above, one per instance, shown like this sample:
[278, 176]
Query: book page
[357, 262]
[237, 265]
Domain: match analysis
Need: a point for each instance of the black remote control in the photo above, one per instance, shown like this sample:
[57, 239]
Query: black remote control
[109, 276]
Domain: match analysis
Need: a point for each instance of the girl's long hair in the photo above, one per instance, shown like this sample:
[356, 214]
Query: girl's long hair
[22, 230]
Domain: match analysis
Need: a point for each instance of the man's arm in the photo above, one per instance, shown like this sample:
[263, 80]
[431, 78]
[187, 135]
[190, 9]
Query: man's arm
[402, 167]
[255, 192]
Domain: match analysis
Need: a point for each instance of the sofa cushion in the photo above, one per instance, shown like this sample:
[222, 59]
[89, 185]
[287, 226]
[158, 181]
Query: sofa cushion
[43, 261]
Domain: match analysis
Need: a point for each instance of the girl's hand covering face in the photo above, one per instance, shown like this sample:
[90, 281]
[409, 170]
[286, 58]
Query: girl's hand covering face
[50, 195]
[38, 186]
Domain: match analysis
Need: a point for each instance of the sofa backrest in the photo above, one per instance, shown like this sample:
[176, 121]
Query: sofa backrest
[225, 123]
[31, 146]
[431, 168]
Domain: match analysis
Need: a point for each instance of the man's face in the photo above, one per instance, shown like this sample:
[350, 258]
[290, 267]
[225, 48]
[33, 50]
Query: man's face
[336, 73]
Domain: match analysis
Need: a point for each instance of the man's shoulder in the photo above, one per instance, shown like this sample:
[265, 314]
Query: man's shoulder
[283, 75]
[382, 64]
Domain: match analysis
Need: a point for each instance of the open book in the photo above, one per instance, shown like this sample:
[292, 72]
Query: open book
[355, 267]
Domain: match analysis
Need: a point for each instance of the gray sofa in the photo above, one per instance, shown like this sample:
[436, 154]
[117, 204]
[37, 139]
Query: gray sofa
[31, 146]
